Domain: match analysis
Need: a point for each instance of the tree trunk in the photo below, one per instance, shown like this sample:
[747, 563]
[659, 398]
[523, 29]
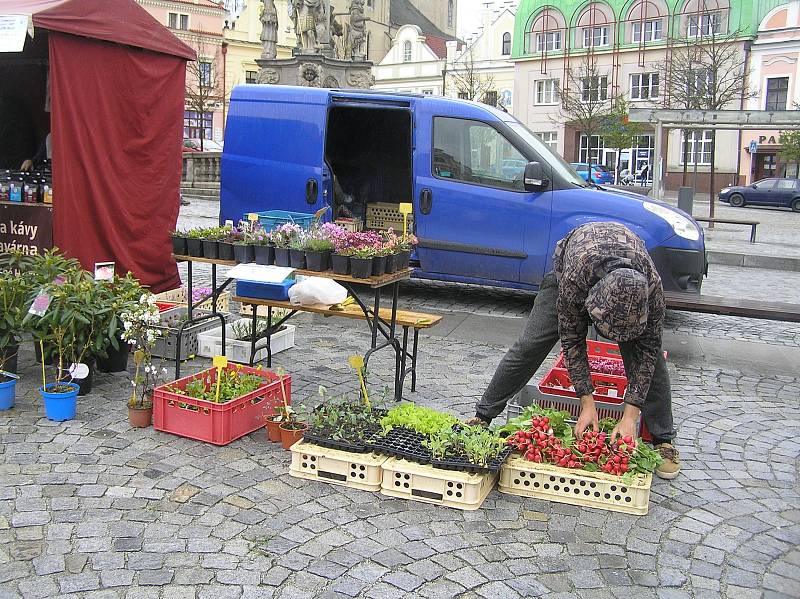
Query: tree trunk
[619, 159]
[589, 155]
[711, 179]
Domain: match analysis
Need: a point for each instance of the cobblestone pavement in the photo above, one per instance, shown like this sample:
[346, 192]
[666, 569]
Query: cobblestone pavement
[91, 508]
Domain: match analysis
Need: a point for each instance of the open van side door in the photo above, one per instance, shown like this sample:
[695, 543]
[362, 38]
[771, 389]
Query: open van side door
[273, 153]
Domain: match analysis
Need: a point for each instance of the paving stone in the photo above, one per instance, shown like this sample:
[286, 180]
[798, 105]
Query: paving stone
[117, 578]
[155, 577]
[404, 580]
[75, 583]
[49, 564]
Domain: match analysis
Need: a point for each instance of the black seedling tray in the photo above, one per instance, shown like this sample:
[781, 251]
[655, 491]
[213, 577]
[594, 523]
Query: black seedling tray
[318, 437]
[407, 444]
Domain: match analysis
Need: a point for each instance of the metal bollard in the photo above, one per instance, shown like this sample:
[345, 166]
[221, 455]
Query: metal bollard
[686, 199]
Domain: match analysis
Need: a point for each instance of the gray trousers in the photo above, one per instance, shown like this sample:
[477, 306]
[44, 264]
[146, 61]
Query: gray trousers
[537, 340]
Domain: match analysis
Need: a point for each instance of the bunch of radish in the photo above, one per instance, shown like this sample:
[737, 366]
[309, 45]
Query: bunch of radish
[606, 366]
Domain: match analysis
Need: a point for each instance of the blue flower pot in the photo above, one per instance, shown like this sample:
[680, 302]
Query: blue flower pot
[60, 406]
[7, 392]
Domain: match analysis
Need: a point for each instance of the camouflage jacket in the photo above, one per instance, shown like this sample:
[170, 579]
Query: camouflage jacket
[581, 259]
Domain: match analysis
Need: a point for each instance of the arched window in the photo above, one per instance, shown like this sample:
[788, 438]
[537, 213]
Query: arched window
[506, 44]
[705, 17]
[450, 13]
[594, 26]
[647, 20]
[407, 51]
[546, 32]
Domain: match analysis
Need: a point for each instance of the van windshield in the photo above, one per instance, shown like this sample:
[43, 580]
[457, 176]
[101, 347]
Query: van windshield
[543, 150]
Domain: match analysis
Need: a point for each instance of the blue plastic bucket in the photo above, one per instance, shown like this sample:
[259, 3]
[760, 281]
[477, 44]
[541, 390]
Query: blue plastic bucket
[60, 406]
[8, 391]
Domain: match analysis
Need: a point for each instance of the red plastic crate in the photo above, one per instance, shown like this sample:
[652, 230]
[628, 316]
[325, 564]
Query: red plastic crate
[595, 349]
[218, 423]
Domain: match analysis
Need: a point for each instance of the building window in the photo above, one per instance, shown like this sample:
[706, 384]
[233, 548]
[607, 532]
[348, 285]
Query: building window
[547, 91]
[644, 86]
[594, 89]
[250, 76]
[652, 31]
[427, 92]
[597, 149]
[548, 42]
[595, 36]
[696, 147]
[370, 3]
[700, 83]
[490, 98]
[506, 44]
[463, 96]
[777, 92]
[205, 74]
[178, 21]
[406, 51]
[550, 138]
[195, 124]
[705, 24]
[450, 13]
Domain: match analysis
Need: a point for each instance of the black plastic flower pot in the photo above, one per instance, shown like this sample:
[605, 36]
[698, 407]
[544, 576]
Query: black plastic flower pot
[85, 385]
[179, 245]
[405, 260]
[378, 266]
[225, 251]
[341, 264]
[264, 254]
[210, 249]
[8, 358]
[318, 261]
[282, 257]
[244, 254]
[361, 268]
[194, 247]
[297, 258]
[392, 263]
[116, 360]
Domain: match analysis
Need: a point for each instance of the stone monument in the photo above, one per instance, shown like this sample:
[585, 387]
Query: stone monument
[313, 63]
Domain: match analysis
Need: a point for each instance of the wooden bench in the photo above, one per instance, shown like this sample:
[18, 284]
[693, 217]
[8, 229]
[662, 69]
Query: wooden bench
[404, 318]
[732, 221]
[709, 304]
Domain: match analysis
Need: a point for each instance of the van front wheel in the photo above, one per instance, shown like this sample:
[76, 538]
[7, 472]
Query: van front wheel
[737, 200]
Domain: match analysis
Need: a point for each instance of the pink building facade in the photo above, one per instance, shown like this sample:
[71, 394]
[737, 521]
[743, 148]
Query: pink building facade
[199, 23]
[774, 75]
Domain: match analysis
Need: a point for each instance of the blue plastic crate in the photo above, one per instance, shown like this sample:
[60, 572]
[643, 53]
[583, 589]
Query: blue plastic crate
[267, 291]
[275, 218]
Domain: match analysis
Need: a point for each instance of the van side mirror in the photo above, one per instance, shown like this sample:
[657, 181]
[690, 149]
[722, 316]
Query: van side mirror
[535, 179]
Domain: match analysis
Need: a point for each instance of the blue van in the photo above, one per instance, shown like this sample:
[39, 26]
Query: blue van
[490, 199]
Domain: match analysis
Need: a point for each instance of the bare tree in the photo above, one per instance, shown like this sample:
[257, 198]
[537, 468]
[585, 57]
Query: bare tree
[586, 103]
[619, 133]
[203, 81]
[705, 71]
[469, 82]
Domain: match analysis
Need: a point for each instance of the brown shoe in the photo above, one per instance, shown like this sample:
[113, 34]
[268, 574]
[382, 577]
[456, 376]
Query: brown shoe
[476, 421]
[671, 466]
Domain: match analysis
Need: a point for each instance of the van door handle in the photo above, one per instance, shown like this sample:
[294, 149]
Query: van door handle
[425, 201]
[311, 191]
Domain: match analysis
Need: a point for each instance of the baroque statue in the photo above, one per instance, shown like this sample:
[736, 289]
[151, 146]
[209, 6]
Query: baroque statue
[310, 23]
[357, 32]
[269, 29]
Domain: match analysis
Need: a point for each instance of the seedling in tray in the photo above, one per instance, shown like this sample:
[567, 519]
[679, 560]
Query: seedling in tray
[344, 423]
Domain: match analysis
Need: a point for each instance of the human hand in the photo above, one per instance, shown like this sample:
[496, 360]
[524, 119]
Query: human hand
[626, 427]
[588, 416]
[26, 165]
[476, 421]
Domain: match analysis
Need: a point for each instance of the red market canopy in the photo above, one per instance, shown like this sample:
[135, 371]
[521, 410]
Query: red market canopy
[117, 99]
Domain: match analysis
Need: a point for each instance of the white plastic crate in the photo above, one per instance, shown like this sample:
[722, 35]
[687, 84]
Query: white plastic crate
[461, 490]
[210, 344]
[577, 487]
[356, 470]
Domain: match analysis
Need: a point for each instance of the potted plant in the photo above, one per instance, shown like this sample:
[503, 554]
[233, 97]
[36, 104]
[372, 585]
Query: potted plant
[282, 237]
[318, 248]
[361, 262]
[194, 242]
[242, 240]
[8, 386]
[179, 247]
[15, 300]
[263, 248]
[297, 252]
[405, 244]
[282, 413]
[211, 239]
[292, 429]
[123, 294]
[227, 241]
[139, 324]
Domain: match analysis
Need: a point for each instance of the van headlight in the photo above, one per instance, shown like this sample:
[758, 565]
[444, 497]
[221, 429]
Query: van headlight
[682, 226]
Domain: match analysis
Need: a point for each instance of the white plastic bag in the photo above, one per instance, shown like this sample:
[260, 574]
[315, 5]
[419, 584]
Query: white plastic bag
[316, 290]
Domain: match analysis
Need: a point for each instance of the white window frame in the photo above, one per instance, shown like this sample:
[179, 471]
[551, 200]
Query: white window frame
[548, 41]
[653, 30]
[699, 142]
[710, 23]
[545, 92]
[407, 51]
[505, 40]
[601, 89]
[549, 138]
[595, 37]
[644, 86]
[766, 91]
